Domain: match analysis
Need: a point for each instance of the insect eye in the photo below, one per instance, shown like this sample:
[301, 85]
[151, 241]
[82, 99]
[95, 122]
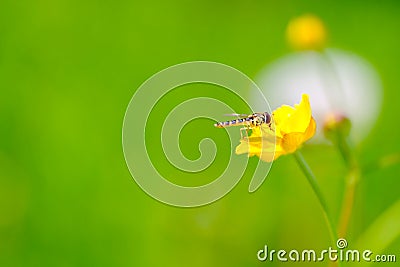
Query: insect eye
[267, 117]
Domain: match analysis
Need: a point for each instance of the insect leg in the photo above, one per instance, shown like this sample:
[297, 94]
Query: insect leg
[246, 128]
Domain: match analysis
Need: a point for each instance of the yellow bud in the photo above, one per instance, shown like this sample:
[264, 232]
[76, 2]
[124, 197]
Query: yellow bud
[306, 32]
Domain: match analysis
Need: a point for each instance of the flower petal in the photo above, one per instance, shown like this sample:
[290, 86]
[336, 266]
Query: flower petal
[292, 141]
[298, 120]
[310, 131]
[280, 116]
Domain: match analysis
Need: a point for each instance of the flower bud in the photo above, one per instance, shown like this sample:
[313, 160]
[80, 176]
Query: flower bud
[336, 126]
[306, 32]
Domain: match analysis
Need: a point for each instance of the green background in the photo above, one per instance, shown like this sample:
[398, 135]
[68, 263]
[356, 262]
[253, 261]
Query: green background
[67, 72]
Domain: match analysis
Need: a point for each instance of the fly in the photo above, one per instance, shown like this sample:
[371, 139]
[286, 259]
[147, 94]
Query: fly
[248, 121]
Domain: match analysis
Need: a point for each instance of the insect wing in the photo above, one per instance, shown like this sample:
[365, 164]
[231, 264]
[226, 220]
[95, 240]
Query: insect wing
[237, 115]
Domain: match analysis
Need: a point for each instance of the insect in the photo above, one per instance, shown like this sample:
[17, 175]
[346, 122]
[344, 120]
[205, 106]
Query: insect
[248, 121]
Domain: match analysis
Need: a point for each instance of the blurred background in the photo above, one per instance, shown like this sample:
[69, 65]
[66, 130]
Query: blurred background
[67, 72]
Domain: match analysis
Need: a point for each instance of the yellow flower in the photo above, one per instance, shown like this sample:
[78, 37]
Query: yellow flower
[306, 32]
[293, 126]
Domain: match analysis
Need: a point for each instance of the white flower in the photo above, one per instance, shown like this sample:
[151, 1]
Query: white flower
[336, 81]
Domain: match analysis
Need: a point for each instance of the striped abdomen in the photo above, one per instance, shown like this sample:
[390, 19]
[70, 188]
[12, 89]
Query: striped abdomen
[237, 122]
[253, 120]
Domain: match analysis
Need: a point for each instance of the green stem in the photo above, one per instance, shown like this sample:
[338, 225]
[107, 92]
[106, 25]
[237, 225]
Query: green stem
[314, 185]
[345, 149]
[351, 181]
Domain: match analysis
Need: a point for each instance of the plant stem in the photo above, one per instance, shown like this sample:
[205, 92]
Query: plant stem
[351, 181]
[314, 185]
[348, 200]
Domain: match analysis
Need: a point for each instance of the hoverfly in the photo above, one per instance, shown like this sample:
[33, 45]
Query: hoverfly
[246, 120]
